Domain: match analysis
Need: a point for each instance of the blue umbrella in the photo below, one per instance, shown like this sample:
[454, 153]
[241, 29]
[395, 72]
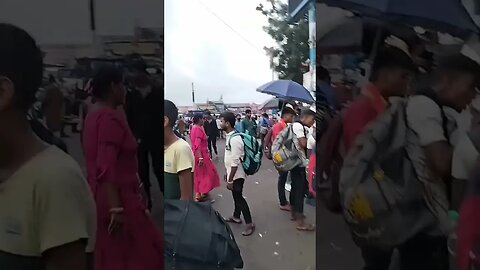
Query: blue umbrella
[448, 16]
[288, 90]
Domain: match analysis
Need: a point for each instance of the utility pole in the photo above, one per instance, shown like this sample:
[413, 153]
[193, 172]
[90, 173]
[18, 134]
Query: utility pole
[93, 27]
[193, 94]
[312, 42]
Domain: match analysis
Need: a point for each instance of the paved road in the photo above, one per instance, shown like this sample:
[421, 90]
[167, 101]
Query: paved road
[276, 244]
[335, 248]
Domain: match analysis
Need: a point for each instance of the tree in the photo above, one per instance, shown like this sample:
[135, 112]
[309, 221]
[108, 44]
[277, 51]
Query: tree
[291, 54]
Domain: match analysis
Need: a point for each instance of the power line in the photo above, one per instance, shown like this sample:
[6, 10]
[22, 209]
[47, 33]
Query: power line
[231, 28]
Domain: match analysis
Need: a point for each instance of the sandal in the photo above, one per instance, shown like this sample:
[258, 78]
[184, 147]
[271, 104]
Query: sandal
[306, 228]
[249, 231]
[285, 208]
[233, 220]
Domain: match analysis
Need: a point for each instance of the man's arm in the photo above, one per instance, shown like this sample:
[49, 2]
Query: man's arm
[186, 184]
[439, 159]
[425, 119]
[185, 164]
[237, 153]
[299, 131]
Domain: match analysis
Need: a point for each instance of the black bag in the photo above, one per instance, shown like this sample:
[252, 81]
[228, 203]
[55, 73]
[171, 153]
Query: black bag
[197, 237]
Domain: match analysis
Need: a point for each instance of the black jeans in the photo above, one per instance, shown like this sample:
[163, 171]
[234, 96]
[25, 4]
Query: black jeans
[282, 179]
[419, 253]
[299, 189]
[212, 143]
[241, 205]
[144, 154]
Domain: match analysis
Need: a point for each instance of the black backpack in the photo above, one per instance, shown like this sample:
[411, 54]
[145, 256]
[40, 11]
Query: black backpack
[197, 237]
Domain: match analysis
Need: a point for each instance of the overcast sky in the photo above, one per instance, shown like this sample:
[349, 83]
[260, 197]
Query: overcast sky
[68, 21]
[199, 48]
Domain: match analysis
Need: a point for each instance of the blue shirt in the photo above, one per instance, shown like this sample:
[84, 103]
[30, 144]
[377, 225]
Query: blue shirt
[238, 126]
[328, 92]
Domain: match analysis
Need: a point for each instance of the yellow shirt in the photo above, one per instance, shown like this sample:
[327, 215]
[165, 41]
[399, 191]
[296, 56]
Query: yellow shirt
[45, 204]
[177, 157]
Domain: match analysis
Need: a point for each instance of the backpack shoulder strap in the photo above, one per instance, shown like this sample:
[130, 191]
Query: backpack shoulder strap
[303, 126]
[429, 93]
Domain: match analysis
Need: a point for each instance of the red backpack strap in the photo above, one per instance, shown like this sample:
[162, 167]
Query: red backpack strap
[329, 144]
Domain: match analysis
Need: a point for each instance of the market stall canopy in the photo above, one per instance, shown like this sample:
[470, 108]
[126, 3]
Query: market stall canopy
[448, 16]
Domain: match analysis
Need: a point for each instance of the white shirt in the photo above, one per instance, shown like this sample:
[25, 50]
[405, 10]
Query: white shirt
[219, 124]
[464, 158]
[311, 139]
[233, 155]
[300, 130]
[426, 124]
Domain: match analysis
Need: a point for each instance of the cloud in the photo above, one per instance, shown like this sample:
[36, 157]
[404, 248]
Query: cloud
[200, 48]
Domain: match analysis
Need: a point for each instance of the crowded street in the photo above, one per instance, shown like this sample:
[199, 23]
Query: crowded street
[276, 244]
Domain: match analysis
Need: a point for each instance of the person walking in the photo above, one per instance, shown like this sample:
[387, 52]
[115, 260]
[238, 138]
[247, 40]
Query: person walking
[41, 186]
[211, 130]
[179, 159]
[235, 175]
[288, 114]
[127, 238]
[205, 173]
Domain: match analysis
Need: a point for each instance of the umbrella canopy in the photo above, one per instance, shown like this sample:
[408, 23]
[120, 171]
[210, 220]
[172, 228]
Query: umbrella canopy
[448, 16]
[273, 103]
[288, 90]
[331, 38]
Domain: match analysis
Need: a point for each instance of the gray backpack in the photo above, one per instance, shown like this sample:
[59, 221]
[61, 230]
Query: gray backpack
[285, 151]
[383, 201]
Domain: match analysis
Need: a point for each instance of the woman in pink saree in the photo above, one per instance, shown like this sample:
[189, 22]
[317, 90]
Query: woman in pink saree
[127, 238]
[205, 173]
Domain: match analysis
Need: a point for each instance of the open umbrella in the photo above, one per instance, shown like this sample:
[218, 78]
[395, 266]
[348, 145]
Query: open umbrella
[288, 90]
[361, 34]
[273, 103]
[448, 16]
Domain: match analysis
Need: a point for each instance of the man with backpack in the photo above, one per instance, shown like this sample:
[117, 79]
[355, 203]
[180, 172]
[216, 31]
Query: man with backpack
[235, 174]
[288, 114]
[390, 75]
[299, 174]
[454, 86]
[403, 188]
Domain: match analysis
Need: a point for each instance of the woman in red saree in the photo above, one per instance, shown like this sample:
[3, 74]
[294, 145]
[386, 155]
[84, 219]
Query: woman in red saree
[205, 173]
[127, 238]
